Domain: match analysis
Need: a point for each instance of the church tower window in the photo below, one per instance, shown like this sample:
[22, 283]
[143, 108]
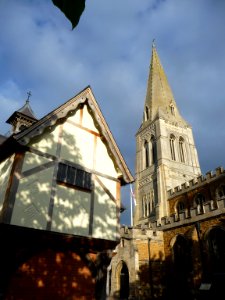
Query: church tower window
[172, 109]
[172, 147]
[181, 149]
[146, 113]
[146, 207]
[199, 201]
[146, 149]
[153, 152]
[221, 191]
[180, 207]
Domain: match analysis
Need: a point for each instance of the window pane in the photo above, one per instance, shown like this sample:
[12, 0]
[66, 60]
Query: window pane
[74, 176]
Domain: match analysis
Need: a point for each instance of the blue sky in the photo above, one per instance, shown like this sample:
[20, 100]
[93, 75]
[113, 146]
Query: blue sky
[110, 50]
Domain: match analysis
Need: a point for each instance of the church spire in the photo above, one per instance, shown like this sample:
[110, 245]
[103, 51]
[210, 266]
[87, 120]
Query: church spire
[166, 155]
[159, 97]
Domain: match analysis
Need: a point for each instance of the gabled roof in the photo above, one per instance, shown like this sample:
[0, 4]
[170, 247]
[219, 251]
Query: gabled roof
[86, 96]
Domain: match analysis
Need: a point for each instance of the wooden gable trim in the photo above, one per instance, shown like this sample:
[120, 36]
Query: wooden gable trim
[118, 207]
[12, 188]
[64, 111]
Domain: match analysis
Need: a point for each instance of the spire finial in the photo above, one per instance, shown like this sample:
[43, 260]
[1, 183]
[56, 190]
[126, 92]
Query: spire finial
[153, 43]
[28, 96]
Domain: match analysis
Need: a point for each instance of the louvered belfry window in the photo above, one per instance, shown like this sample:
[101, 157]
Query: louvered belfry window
[74, 176]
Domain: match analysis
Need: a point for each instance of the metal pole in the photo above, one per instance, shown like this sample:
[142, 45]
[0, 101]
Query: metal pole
[131, 205]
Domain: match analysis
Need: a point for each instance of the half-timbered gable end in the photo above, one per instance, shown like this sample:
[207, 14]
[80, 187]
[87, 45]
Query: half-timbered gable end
[64, 172]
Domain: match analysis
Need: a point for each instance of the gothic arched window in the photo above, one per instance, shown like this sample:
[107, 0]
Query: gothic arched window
[172, 147]
[221, 191]
[124, 282]
[216, 244]
[146, 113]
[149, 204]
[181, 149]
[146, 149]
[143, 207]
[182, 264]
[172, 109]
[199, 201]
[153, 152]
[180, 206]
[146, 207]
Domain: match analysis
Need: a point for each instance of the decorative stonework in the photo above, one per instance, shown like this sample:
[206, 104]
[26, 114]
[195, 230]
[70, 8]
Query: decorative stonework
[145, 181]
[148, 132]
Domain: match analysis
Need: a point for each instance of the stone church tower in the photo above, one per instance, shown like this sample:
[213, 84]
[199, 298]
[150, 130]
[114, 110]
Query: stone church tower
[166, 155]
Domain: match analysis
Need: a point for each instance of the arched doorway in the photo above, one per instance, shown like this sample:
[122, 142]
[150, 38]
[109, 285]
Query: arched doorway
[215, 240]
[181, 258]
[216, 249]
[52, 274]
[124, 281]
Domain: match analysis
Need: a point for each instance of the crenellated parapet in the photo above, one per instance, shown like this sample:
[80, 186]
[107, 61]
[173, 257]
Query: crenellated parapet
[139, 232]
[210, 209]
[196, 182]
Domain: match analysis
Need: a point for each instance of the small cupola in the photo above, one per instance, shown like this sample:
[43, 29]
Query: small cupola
[22, 118]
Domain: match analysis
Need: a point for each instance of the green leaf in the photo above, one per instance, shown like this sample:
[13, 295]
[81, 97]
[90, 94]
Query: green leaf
[72, 9]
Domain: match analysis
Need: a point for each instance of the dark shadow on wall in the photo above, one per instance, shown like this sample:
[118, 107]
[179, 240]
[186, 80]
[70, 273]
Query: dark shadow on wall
[41, 265]
[194, 270]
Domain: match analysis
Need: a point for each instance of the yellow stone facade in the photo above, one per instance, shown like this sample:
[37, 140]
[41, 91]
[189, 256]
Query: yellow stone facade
[175, 250]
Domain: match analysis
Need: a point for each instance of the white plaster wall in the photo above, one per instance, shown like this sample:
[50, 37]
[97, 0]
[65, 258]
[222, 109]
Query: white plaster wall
[104, 163]
[32, 200]
[47, 142]
[77, 145]
[71, 211]
[105, 215]
[32, 160]
[5, 169]
[75, 118]
[87, 120]
[110, 184]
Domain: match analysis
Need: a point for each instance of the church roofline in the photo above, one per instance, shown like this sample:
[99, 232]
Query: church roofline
[84, 97]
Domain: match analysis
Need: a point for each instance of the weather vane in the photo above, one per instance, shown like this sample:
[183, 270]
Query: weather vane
[28, 96]
[153, 43]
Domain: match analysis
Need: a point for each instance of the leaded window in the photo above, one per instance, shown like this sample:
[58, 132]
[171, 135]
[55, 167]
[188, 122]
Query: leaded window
[74, 176]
